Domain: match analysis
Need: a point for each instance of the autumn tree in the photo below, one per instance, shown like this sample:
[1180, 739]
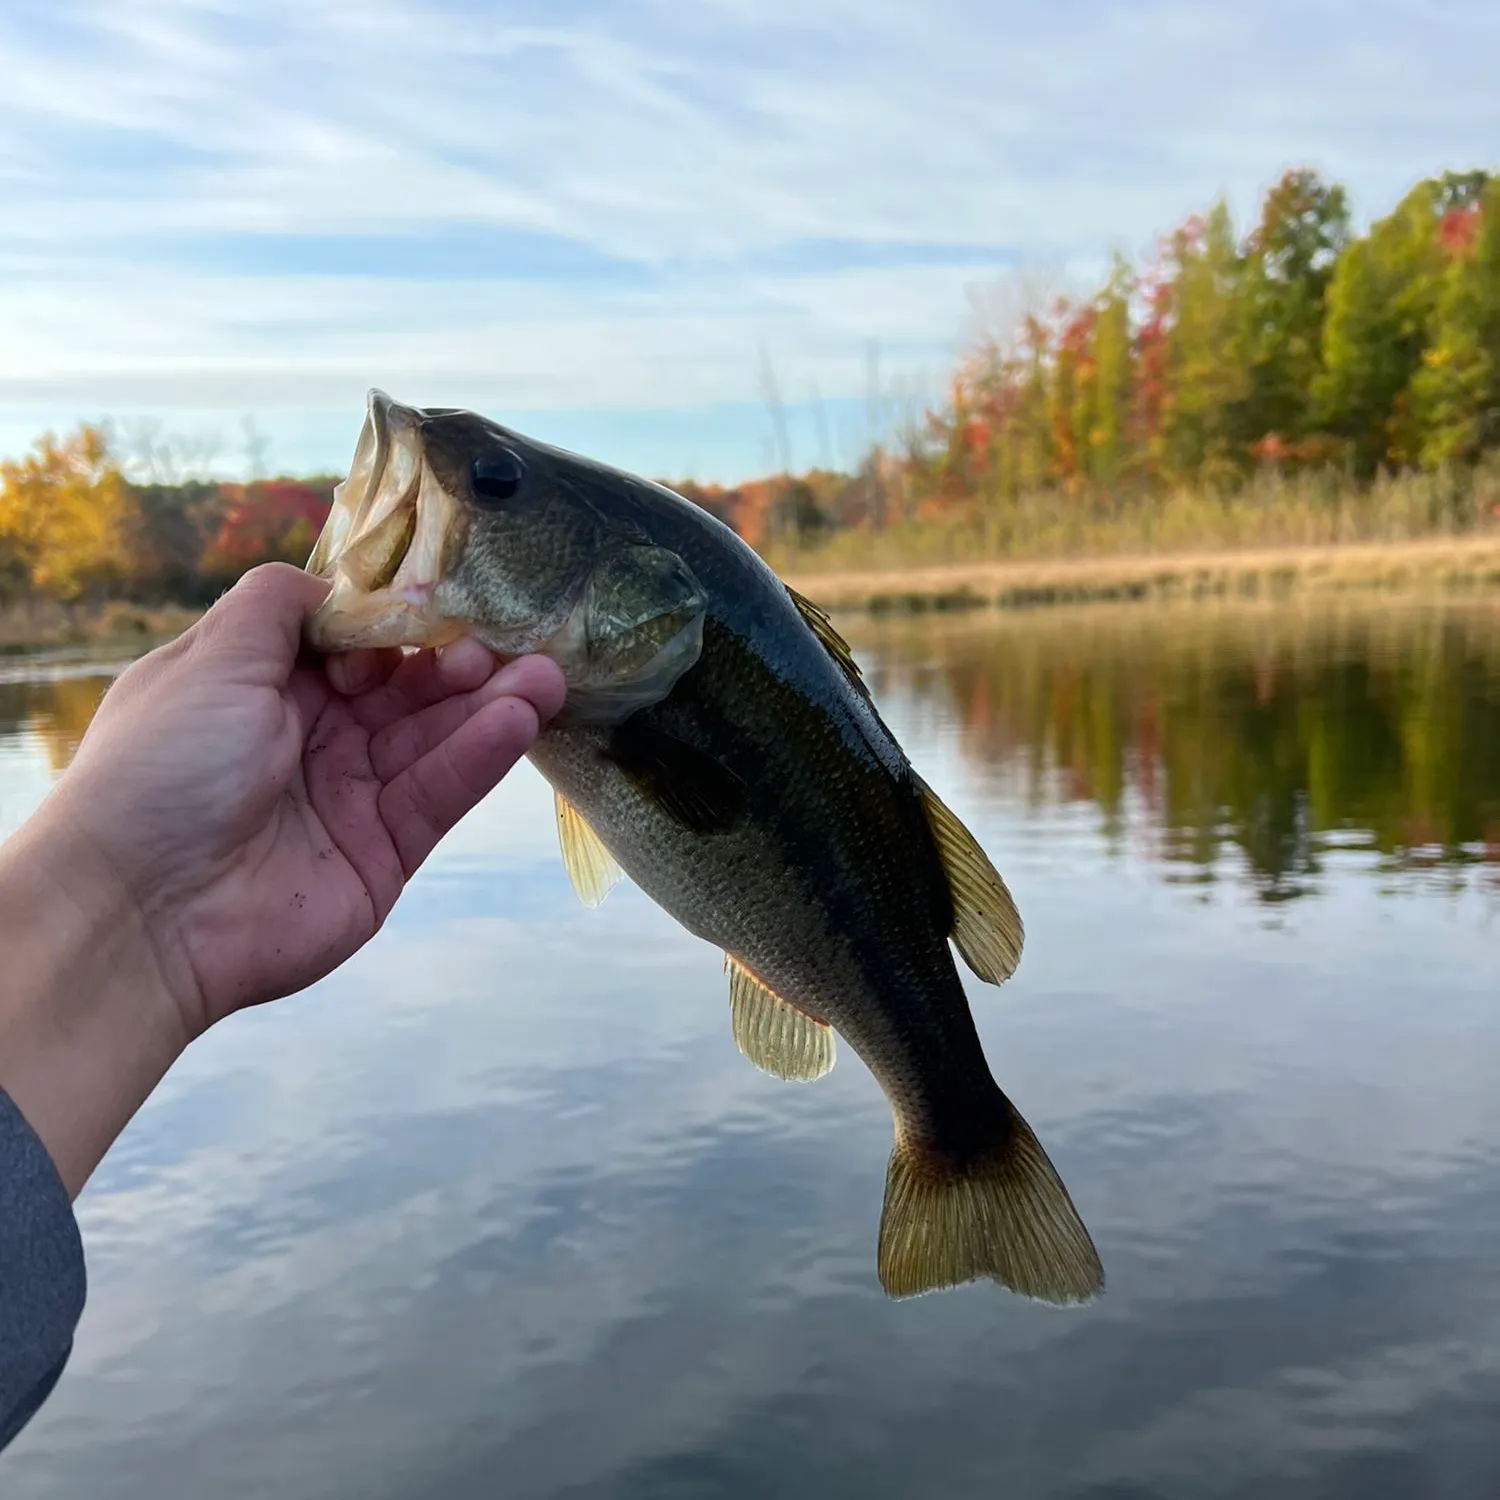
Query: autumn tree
[1382, 302]
[1207, 380]
[267, 521]
[1032, 445]
[1071, 393]
[1456, 392]
[171, 527]
[1109, 432]
[64, 510]
[1289, 259]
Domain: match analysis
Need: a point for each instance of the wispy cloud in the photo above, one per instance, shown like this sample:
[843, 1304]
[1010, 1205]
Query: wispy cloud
[213, 207]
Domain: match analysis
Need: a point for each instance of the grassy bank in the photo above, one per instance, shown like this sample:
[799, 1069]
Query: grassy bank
[48, 622]
[1435, 565]
[1318, 525]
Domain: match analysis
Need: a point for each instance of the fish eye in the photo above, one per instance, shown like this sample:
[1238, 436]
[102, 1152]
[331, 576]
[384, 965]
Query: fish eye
[496, 476]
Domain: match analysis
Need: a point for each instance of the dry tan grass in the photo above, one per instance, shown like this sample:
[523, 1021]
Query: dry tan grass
[47, 622]
[1435, 565]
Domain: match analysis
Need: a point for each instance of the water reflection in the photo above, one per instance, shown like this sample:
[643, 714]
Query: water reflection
[1284, 733]
[499, 1210]
[49, 701]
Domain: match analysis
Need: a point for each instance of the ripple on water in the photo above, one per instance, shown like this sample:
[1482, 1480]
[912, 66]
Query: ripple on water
[500, 1206]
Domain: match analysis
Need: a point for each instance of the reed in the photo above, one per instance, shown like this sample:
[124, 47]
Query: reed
[1276, 534]
[50, 622]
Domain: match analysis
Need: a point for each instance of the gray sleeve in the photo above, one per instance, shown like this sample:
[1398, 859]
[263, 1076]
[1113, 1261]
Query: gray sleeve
[41, 1272]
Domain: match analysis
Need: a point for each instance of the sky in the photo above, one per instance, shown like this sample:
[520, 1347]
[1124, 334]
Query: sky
[616, 226]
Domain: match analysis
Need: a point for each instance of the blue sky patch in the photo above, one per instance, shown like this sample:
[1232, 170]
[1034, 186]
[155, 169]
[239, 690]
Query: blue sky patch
[602, 214]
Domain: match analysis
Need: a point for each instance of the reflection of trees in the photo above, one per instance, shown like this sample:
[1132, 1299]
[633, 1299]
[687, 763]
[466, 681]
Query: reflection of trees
[56, 712]
[1261, 729]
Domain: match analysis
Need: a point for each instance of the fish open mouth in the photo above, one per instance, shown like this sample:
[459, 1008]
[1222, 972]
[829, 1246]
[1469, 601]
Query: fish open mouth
[385, 542]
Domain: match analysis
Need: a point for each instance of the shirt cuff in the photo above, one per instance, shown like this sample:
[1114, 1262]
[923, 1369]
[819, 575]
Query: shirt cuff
[42, 1279]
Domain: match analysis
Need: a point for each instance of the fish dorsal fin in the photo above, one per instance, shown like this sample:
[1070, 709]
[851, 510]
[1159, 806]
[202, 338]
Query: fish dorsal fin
[987, 928]
[590, 866]
[832, 642]
[777, 1037]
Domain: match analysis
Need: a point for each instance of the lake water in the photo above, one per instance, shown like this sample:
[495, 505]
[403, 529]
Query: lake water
[498, 1210]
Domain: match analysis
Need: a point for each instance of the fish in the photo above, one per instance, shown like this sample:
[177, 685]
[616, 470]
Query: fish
[718, 745]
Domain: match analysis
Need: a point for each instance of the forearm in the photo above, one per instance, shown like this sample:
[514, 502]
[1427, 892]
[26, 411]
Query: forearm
[87, 1028]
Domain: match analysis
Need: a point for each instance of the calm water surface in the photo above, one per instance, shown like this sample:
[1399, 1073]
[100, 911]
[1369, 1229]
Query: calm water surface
[498, 1210]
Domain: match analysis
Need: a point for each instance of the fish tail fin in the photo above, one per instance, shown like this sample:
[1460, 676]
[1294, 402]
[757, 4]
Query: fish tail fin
[1001, 1213]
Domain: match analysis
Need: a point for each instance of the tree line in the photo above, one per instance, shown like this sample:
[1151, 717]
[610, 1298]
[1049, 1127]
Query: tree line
[1227, 365]
[74, 527]
[1301, 344]
[1300, 348]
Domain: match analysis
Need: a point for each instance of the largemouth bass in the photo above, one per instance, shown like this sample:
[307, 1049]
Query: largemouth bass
[719, 746]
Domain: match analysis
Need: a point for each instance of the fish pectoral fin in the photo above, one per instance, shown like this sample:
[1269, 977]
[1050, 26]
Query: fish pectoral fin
[681, 779]
[987, 928]
[833, 643]
[1002, 1214]
[591, 867]
[777, 1037]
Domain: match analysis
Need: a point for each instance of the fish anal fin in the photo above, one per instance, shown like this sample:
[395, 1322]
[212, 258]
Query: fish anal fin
[591, 867]
[833, 643]
[775, 1035]
[1004, 1214]
[686, 783]
[987, 928]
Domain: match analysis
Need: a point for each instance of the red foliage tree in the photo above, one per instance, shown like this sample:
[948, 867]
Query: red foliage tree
[269, 520]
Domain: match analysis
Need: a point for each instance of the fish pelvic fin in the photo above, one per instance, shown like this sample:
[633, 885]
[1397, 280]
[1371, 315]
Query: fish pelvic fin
[987, 928]
[777, 1037]
[1003, 1214]
[591, 867]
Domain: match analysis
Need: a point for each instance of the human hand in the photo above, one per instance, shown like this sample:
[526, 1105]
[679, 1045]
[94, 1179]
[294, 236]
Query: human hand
[266, 813]
[235, 824]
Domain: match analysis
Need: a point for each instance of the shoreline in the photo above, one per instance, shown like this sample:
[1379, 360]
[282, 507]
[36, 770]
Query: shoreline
[1442, 565]
[1433, 565]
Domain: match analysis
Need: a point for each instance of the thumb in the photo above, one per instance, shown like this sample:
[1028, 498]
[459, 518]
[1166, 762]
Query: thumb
[260, 619]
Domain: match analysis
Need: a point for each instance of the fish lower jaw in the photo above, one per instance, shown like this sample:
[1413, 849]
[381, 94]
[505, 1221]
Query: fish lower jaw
[351, 619]
[386, 544]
